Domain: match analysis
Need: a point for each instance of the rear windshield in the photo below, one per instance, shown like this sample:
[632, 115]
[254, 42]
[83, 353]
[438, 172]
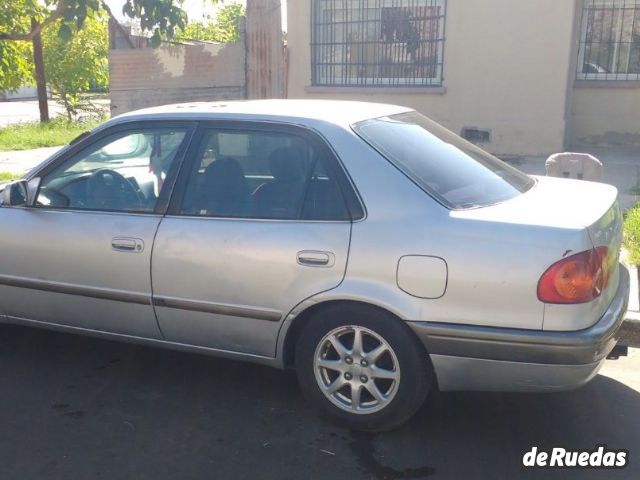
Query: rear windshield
[454, 171]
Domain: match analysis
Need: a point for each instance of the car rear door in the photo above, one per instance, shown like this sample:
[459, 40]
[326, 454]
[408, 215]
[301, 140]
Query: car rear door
[258, 222]
[81, 256]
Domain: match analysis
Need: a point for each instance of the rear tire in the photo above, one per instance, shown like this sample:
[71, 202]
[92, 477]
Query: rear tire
[362, 368]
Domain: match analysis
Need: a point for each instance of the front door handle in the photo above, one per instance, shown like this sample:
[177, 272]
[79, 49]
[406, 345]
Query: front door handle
[127, 244]
[313, 258]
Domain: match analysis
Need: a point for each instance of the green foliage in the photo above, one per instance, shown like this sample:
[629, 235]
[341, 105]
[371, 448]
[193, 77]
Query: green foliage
[229, 21]
[76, 65]
[19, 17]
[15, 65]
[57, 132]
[21, 20]
[16, 15]
[161, 17]
[225, 29]
[632, 234]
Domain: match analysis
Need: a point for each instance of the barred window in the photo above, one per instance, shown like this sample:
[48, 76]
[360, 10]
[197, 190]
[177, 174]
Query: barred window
[378, 43]
[610, 40]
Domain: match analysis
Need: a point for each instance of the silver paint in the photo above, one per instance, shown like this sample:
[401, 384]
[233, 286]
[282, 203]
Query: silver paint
[234, 288]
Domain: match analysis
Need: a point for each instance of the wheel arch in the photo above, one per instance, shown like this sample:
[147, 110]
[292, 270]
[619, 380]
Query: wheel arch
[298, 323]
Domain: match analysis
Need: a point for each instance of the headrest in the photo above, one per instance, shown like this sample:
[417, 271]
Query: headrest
[225, 173]
[287, 164]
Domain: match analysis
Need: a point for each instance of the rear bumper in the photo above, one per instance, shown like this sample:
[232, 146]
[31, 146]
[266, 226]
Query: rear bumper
[467, 357]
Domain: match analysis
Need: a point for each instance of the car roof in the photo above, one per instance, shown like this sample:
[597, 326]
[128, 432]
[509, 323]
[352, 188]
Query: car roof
[337, 112]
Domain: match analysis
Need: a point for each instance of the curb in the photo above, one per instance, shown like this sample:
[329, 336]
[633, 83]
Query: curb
[631, 326]
[631, 330]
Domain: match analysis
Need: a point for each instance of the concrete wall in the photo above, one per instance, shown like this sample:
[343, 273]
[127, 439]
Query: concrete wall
[23, 93]
[606, 115]
[148, 77]
[507, 65]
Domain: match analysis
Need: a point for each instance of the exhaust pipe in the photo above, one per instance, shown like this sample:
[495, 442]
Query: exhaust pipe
[617, 352]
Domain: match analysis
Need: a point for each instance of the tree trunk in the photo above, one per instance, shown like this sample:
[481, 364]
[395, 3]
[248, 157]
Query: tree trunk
[67, 106]
[41, 80]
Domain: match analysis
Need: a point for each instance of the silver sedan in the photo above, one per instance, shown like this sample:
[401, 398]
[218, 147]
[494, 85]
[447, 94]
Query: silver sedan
[364, 245]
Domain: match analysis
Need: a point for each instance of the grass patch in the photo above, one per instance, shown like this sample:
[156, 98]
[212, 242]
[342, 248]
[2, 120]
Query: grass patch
[9, 176]
[58, 131]
[632, 234]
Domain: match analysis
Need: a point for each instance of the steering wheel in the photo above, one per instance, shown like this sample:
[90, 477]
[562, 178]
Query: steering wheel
[109, 190]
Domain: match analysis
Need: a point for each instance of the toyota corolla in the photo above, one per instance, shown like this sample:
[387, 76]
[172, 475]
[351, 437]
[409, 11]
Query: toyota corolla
[364, 245]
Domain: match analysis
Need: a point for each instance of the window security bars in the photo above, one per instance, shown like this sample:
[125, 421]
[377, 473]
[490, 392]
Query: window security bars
[610, 40]
[378, 43]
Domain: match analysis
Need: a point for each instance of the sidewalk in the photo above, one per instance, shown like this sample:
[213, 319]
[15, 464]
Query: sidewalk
[631, 327]
[20, 111]
[21, 161]
[621, 169]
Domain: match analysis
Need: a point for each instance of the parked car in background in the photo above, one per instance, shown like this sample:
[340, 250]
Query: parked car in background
[364, 245]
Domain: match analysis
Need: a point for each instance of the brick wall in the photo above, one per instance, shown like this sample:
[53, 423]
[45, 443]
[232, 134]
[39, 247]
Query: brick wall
[145, 77]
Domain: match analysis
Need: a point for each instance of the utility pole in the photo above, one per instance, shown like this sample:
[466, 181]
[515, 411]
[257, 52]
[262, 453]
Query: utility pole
[264, 49]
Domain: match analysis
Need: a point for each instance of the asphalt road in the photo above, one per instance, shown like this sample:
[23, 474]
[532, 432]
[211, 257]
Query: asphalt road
[79, 408]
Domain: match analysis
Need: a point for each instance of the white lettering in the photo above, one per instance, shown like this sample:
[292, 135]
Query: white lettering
[583, 459]
[557, 455]
[529, 459]
[621, 459]
[542, 459]
[595, 460]
[609, 459]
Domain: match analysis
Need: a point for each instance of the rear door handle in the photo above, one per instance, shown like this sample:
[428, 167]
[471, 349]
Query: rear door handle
[313, 258]
[127, 244]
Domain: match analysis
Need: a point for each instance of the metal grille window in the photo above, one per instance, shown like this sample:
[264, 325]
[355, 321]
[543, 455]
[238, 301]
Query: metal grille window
[610, 40]
[378, 43]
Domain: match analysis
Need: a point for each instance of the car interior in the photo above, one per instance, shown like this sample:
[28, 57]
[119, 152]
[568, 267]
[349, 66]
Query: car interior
[258, 175]
[122, 174]
[236, 174]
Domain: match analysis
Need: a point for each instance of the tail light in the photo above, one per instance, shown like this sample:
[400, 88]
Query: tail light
[579, 278]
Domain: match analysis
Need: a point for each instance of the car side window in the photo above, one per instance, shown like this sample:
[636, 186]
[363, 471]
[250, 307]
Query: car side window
[122, 172]
[264, 175]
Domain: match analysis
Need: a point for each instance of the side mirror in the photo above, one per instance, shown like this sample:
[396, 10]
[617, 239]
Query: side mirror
[15, 194]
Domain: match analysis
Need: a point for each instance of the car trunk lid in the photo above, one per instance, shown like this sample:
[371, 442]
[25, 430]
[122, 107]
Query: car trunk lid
[588, 208]
[552, 202]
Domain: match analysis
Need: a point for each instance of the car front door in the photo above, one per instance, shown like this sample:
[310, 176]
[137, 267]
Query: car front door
[81, 255]
[258, 222]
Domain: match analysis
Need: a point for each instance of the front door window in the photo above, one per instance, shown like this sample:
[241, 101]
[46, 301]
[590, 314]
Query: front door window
[123, 172]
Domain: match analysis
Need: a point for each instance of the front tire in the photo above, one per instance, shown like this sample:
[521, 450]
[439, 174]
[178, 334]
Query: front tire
[362, 368]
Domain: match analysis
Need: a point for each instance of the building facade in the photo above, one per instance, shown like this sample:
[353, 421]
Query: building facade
[520, 78]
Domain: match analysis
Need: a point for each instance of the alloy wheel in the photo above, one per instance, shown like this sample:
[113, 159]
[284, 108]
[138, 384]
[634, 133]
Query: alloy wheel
[356, 369]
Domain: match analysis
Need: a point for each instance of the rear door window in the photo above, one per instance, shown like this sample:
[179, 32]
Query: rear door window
[263, 175]
[457, 173]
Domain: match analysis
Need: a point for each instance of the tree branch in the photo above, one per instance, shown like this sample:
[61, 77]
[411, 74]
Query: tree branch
[36, 27]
